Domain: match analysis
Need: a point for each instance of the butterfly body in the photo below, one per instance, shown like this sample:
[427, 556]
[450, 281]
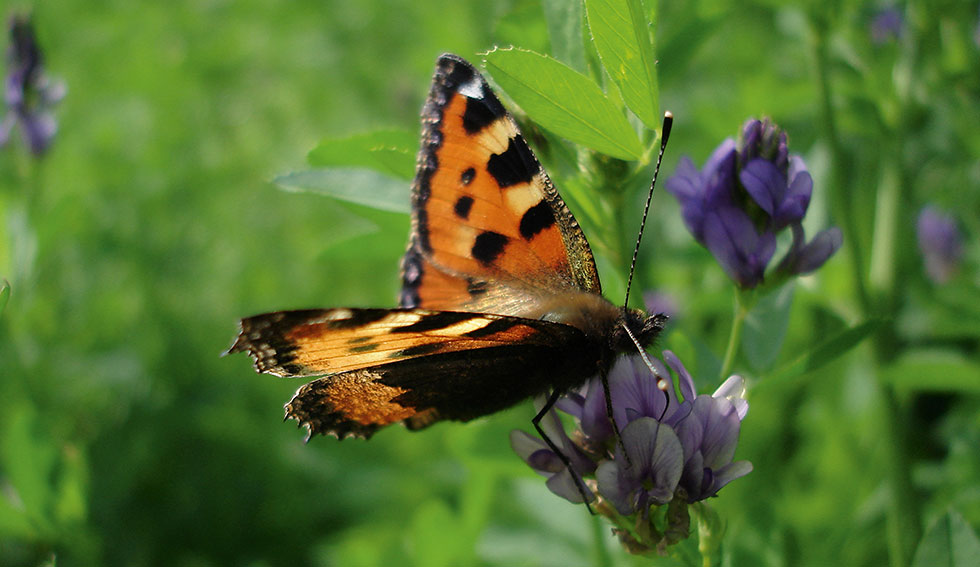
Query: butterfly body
[500, 295]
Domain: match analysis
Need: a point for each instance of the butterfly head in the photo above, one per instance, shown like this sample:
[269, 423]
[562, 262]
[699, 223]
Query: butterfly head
[643, 327]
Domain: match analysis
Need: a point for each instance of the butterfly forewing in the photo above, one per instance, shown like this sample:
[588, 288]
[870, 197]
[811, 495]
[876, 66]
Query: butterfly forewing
[487, 222]
[329, 341]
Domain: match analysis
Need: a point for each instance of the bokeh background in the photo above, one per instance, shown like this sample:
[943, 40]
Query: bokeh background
[152, 224]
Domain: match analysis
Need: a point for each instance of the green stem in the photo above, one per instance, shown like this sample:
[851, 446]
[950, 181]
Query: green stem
[841, 204]
[735, 336]
[602, 556]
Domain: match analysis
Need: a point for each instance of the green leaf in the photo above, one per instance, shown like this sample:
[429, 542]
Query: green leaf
[949, 542]
[624, 39]
[934, 371]
[823, 353]
[765, 327]
[361, 186]
[564, 20]
[387, 151]
[4, 294]
[564, 101]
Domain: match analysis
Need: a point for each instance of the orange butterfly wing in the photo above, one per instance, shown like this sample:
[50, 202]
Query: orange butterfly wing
[487, 223]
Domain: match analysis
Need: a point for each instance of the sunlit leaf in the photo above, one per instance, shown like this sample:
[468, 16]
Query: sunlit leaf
[624, 39]
[362, 186]
[387, 151]
[564, 101]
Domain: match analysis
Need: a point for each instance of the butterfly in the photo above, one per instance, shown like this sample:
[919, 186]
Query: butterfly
[500, 297]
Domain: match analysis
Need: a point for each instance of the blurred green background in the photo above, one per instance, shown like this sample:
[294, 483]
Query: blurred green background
[153, 224]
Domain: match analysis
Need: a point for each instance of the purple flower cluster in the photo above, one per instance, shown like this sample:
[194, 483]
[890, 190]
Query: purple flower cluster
[743, 197]
[940, 243]
[676, 449]
[886, 25]
[28, 93]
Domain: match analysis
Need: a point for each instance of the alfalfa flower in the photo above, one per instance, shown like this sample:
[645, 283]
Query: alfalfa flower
[743, 197]
[676, 448]
[941, 244]
[28, 93]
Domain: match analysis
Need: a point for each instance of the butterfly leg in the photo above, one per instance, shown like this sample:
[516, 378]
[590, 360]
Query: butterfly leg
[536, 421]
[612, 418]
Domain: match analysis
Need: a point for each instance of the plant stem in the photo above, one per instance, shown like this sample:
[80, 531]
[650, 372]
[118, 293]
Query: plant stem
[735, 336]
[841, 204]
[602, 556]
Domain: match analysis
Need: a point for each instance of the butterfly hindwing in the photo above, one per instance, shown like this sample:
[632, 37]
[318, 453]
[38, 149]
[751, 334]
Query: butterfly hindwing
[486, 219]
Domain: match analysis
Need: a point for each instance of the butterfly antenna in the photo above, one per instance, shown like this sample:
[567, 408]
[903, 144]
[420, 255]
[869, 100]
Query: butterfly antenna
[665, 133]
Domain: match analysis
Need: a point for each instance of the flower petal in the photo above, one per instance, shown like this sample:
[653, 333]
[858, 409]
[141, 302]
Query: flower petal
[564, 484]
[733, 389]
[728, 473]
[525, 444]
[764, 183]
[684, 379]
[615, 488]
[818, 251]
[742, 252]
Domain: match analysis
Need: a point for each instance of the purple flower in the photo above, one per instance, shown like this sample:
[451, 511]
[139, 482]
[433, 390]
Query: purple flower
[536, 453]
[886, 25]
[676, 447]
[709, 434]
[650, 476]
[28, 94]
[743, 197]
[940, 243]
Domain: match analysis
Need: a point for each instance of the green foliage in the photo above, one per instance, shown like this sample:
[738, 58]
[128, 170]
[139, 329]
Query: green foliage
[622, 34]
[564, 101]
[948, 542]
[155, 222]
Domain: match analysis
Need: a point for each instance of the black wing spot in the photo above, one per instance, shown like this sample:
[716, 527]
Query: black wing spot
[463, 205]
[418, 350]
[292, 368]
[358, 318]
[467, 177]
[488, 246]
[498, 326]
[515, 165]
[478, 114]
[536, 219]
[476, 287]
[364, 348]
[412, 273]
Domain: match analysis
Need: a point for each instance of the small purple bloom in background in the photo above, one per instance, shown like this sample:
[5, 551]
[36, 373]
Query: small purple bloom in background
[886, 25]
[28, 93]
[676, 448]
[940, 243]
[745, 195]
